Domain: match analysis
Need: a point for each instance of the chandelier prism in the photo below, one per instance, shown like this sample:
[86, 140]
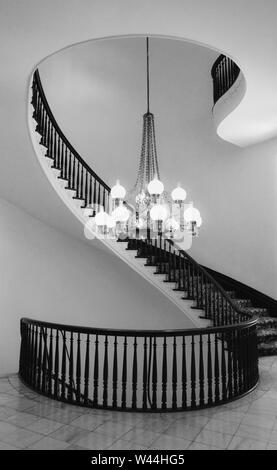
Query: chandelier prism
[149, 209]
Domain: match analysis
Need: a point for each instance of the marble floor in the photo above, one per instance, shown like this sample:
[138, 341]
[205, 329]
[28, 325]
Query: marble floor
[30, 421]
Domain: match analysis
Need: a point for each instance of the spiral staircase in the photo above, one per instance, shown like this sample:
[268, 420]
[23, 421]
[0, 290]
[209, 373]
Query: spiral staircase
[80, 187]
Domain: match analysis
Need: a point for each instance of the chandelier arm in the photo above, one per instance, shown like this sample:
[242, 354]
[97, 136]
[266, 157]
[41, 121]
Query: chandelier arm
[155, 152]
[151, 150]
[141, 169]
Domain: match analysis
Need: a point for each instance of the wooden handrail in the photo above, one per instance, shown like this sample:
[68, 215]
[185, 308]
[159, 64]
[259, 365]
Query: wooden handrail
[138, 333]
[61, 134]
[211, 278]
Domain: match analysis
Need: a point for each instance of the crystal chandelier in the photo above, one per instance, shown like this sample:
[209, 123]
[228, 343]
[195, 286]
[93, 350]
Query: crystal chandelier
[149, 209]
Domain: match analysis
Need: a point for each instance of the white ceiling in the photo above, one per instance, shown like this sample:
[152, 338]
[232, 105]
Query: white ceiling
[34, 29]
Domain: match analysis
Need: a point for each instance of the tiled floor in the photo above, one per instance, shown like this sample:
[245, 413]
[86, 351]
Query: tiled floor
[30, 421]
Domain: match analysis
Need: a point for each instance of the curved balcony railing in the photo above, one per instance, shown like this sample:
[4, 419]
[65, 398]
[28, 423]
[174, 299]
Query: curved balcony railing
[139, 370]
[224, 73]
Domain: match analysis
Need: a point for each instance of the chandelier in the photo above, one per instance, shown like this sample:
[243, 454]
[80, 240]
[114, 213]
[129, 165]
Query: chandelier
[148, 210]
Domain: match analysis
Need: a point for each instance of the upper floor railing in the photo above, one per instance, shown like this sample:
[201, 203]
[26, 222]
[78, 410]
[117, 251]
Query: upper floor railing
[224, 73]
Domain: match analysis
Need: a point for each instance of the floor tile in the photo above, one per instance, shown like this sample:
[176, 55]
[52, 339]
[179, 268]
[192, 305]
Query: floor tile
[219, 425]
[47, 443]
[196, 421]
[183, 431]
[6, 412]
[141, 437]
[169, 442]
[21, 404]
[89, 422]
[157, 426]
[5, 446]
[94, 441]
[214, 438]
[273, 437]
[44, 426]
[126, 445]
[74, 447]
[198, 446]
[113, 429]
[21, 438]
[64, 416]
[69, 434]
[252, 419]
[253, 432]
[244, 443]
[6, 428]
[271, 446]
[5, 399]
[22, 419]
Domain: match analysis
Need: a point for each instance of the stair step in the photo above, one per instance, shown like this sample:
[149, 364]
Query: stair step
[267, 322]
[243, 302]
[266, 336]
[257, 311]
[267, 349]
[231, 293]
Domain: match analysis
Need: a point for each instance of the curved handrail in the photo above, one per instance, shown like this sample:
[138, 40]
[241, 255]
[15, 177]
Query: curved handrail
[138, 333]
[224, 73]
[37, 82]
[208, 293]
[212, 279]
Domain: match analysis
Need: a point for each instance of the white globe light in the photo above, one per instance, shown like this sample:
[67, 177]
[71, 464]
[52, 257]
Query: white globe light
[192, 215]
[178, 194]
[172, 224]
[101, 218]
[118, 191]
[158, 212]
[121, 214]
[155, 187]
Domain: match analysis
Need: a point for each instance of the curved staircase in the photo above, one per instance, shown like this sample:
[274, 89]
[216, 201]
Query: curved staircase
[172, 271]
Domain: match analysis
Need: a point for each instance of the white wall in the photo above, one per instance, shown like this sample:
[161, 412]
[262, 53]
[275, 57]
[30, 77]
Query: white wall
[47, 275]
[237, 193]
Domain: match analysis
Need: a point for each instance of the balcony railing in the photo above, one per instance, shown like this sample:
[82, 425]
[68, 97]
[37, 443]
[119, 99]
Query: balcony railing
[139, 370]
[224, 73]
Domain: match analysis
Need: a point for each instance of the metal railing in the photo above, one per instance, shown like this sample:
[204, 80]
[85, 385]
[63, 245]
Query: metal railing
[224, 73]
